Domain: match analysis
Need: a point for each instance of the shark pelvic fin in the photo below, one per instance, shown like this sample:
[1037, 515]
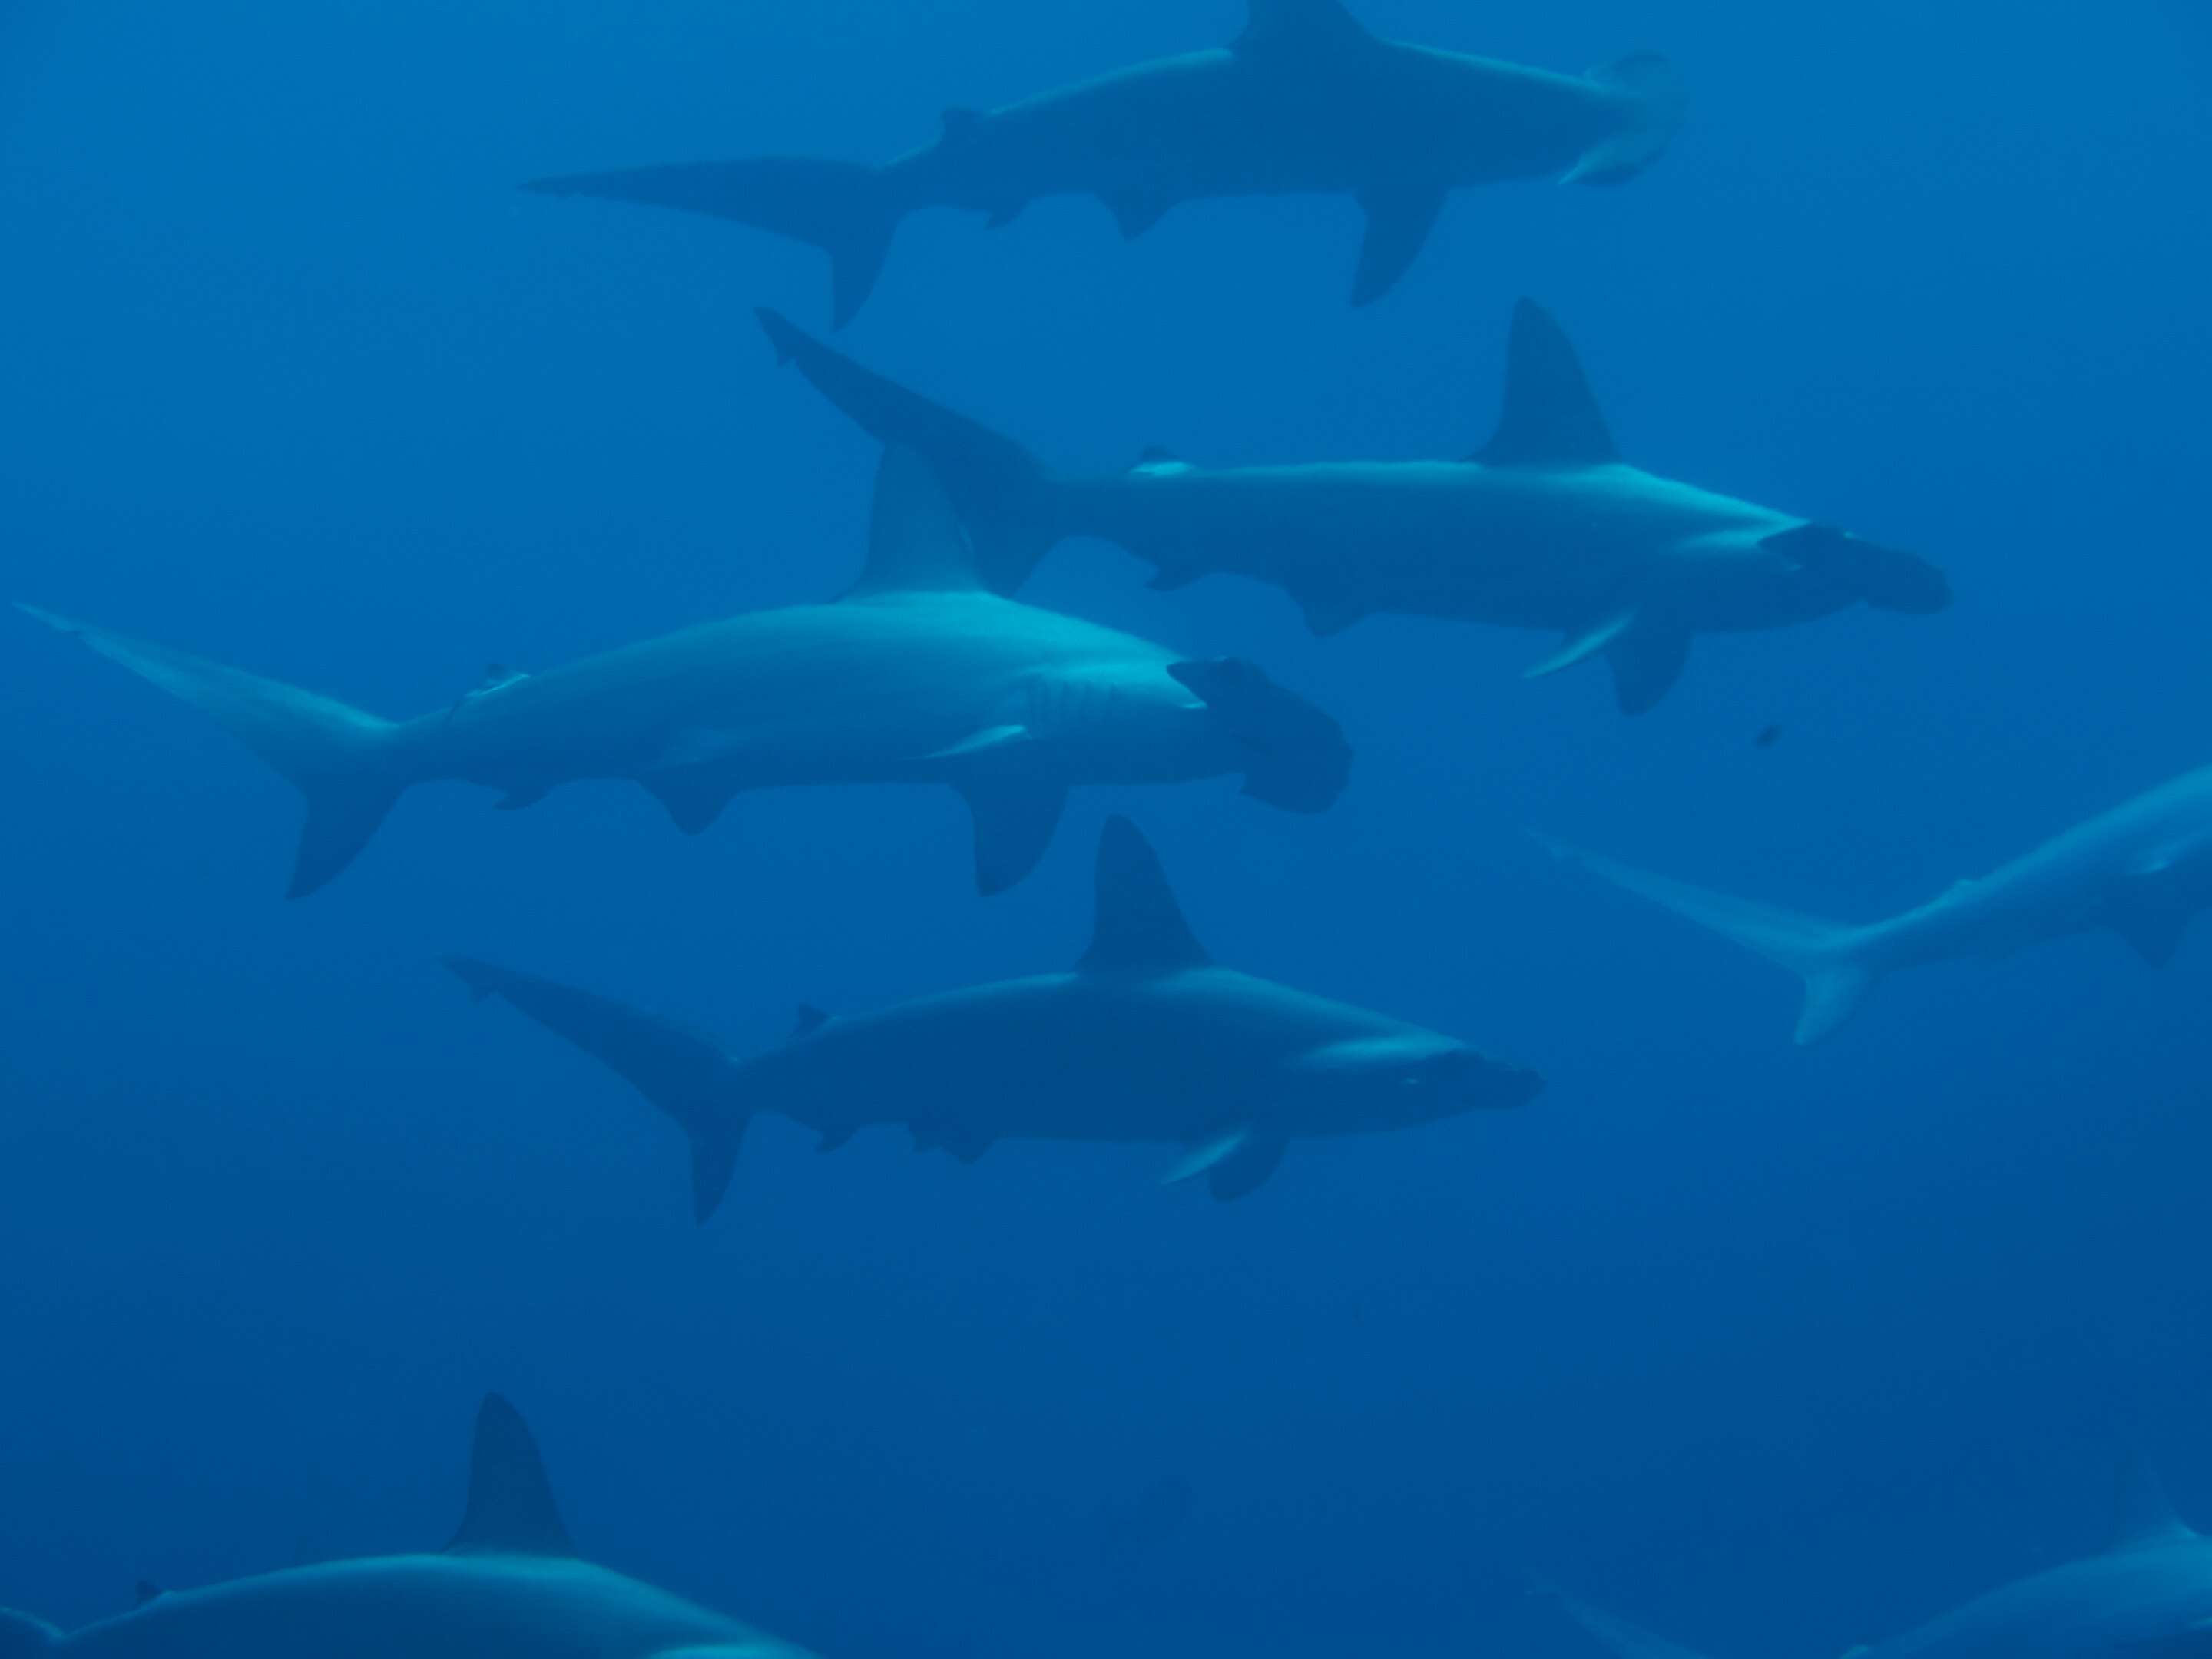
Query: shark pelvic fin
[2151, 911]
[1137, 211]
[1400, 216]
[693, 795]
[511, 1509]
[1139, 926]
[1014, 822]
[1551, 418]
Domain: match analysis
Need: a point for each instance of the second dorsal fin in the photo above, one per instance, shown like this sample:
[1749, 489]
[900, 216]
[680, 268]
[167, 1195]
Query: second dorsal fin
[1139, 926]
[1551, 418]
[915, 542]
[511, 1510]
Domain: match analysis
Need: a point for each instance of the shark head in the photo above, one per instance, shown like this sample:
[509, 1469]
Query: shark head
[1412, 1077]
[1294, 754]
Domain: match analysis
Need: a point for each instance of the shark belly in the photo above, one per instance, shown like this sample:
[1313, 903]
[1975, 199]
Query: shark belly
[1065, 1057]
[853, 693]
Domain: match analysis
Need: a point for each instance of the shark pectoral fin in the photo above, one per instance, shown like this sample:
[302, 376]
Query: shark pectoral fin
[1206, 1154]
[511, 1510]
[147, 1590]
[833, 1139]
[811, 1020]
[1249, 1169]
[518, 800]
[1581, 646]
[1646, 662]
[990, 739]
[1014, 822]
[694, 795]
[1400, 216]
[1137, 211]
[2148, 911]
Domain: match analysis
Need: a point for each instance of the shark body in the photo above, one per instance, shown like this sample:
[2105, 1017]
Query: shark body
[2143, 870]
[1546, 527]
[2149, 1592]
[919, 675]
[1147, 1040]
[510, 1583]
[1305, 101]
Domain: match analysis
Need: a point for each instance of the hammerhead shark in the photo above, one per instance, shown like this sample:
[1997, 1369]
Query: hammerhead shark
[1145, 1040]
[919, 674]
[1545, 526]
[510, 1583]
[1306, 101]
[2148, 1592]
[2143, 870]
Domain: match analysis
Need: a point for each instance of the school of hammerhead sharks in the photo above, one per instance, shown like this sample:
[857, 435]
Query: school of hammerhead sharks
[930, 670]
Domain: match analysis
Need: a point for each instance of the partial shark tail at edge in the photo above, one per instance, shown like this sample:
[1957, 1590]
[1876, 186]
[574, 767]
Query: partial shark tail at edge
[846, 209]
[1002, 494]
[687, 1075]
[1837, 961]
[348, 764]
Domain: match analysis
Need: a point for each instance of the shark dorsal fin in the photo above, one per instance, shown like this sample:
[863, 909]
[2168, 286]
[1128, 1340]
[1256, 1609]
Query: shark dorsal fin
[511, 1510]
[1140, 927]
[2142, 1515]
[1551, 416]
[1271, 22]
[915, 542]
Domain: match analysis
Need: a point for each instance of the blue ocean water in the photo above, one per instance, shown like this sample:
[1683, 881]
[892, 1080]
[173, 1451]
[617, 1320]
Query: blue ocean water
[1780, 1349]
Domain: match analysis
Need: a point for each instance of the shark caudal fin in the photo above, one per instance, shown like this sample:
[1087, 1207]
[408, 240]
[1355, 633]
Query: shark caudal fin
[1652, 102]
[689, 1076]
[346, 763]
[1003, 493]
[22, 1636]
[846, 209]
[1836, 962]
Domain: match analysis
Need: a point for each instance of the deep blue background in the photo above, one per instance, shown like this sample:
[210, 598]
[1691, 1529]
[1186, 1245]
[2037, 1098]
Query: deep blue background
[1778, 1350]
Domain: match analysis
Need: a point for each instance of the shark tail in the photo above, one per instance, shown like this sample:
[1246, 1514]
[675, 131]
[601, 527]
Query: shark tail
[1007, 501]
[846, 209]
[1836, 961]
[1654, 101]
[22, 1636]
[687, 1075]
[348, 764]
